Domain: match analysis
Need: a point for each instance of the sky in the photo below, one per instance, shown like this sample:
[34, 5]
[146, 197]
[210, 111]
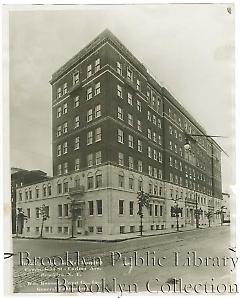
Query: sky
[189, 49]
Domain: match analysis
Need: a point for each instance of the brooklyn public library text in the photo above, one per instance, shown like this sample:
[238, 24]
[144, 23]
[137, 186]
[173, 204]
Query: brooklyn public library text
[134, 259]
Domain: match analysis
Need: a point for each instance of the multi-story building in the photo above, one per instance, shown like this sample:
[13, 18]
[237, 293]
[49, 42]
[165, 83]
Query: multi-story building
[116, 131]
[19, 178]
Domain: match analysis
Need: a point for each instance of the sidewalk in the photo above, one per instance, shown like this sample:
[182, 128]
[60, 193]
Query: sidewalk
[123, 237]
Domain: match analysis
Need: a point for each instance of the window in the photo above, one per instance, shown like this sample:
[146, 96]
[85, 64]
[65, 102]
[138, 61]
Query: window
[89, 70]
[131, 181]
[140, 184]
[65, 127]
[120, 113]
[97, 111]
[75, 77]
[97, 88]
[120, 207]
[59, 187]
[171, 177]
[76, 101]
[170, 161]
[175, 147]
[149, 152]
[49, 190]
[60, 213]
[150, 187]
[154, 137]
[77, 122]
[130, 141]
[66, 210]
[149, 116]
[59, 150]
[98, 179]
[37, 193]
[97, 65]
[130, 119]
[122, 229]
[129, 74]
[59, 169]
[170, 145]
[90, 160]
[139, 105]
[65, 186]
[160, 174]
[90, 207]
[131, 204]
[121, 180]
[119, 91]
[30, 194]
[65, 168]
[37, 212]
[120, 136]
[59, 92]
[159, 140]
[76, 143]
[77, 164]
[98, 157]
[65, 108]
[170, 130]
[28, 212]
[59, 112]
[160, 156]
[159, 123]
[119, 68]
[89, 137]
[65, 230]
[91, 229]
[149, 133]
[130, 99]
[139, 145]
[139, 125]
[89, 93]
[89, 115]
[90, 182]
[130, 162]
[140, 166]
[153, 99]
[150, 171]
[59, 131]
[155, 210]
[65, 147]
[99, 207]
[98, 134]
[154, 119]
[138, 85]
[154, 154]
[155, 172]
[120, 159]
[26, 194]
[161, 210]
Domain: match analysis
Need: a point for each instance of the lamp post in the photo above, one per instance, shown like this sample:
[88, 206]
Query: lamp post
[176, 211]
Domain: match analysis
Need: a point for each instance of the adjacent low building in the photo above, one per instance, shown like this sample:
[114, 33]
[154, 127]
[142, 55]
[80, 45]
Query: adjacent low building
[116, 132]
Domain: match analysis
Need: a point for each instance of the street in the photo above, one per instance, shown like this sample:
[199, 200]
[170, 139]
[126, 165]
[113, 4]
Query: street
[143, 264]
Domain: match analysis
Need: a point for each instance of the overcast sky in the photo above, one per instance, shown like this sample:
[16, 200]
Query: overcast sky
[189, 49]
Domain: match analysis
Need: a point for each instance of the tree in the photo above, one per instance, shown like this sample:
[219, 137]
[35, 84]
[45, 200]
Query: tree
[44, 213]
[143, 201]
[209, 215]
[21, 217]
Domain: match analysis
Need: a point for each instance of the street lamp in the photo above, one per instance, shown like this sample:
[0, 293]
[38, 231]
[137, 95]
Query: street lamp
[143, 200]
[176, 210]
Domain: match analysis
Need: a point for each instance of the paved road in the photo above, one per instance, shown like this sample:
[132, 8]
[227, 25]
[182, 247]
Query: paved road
[137, 265]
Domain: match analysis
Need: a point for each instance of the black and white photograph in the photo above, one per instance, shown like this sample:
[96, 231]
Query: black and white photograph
[122, 148]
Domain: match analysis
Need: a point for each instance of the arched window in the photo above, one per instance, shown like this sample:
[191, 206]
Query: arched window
[37, 192]
[65, 186]
[77, 181]
[140, 184]
[49, 189]
[131, 182]
[121, 179]
[59, 187]
[20, 195]
[44, 190]
[98, 177]
[90, 180]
